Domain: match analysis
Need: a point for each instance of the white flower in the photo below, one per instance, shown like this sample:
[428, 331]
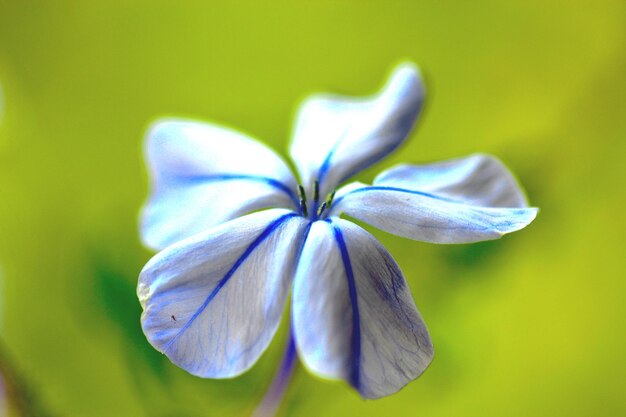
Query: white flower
[214, 295]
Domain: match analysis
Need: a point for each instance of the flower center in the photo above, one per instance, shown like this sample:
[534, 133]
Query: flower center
[317, 210]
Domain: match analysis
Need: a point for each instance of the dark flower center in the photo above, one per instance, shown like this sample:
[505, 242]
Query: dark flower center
[317, 208]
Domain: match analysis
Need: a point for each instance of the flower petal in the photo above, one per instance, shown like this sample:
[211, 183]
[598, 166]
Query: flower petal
[204, 175]
[479, 180]
[335, 137]
[213, 302]
[354, 316]
[428, 217]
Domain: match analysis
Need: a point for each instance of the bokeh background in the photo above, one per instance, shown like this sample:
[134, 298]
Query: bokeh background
[530, 325]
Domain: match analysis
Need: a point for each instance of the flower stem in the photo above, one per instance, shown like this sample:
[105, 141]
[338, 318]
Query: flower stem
[274, 395]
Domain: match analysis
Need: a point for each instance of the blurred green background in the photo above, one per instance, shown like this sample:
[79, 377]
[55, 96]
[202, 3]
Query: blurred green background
[531, 325]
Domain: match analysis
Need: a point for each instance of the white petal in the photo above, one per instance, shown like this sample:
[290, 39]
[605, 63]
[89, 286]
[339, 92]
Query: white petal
[213, 302]
[354, 316]
[203, 175]
[428, 217]
[335, 137]
[479, 180]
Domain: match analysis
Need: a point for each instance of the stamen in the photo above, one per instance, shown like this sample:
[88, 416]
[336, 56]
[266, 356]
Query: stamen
[303, 207]
[301, 192]
[331, 198]
[316, 191]
[305, 210]
[321, 209]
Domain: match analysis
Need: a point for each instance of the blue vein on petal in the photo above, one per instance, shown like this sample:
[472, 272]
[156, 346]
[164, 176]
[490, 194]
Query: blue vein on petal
[234, 177]
[355, 372]
[371, 161]
[271, 228]
[321, 174]
[277, 389]
[397, 189]
[403, 127]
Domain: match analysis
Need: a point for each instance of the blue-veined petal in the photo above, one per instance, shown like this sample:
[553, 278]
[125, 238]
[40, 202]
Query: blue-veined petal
[428, 217]
[335, 137]
[213, 301]
[203, 175]
[479, 180]
[354, 316]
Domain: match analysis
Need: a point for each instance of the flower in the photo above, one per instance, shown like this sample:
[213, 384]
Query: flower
[213, 297]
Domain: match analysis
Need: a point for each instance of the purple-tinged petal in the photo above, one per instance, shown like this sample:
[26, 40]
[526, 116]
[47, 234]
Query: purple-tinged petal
[203, 175]
[428, 217]
[354, 316]
[478, 180]
[213, 301]
[335, 137]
